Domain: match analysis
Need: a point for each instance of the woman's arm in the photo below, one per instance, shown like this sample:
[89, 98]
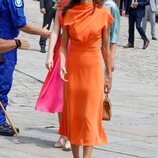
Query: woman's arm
[52, 41]
[63, 50]
[107, 57]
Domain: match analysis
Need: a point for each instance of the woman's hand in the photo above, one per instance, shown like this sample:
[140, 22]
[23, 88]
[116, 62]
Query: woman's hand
[49, 63]
[107, 85]
[63, 72]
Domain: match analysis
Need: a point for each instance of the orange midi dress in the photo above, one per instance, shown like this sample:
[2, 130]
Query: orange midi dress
[83, 93]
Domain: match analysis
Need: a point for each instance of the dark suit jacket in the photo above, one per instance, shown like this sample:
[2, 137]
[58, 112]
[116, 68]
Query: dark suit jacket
[47, 4]
[141, 6]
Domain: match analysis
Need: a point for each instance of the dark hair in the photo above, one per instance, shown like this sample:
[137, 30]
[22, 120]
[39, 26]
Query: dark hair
[73, 3]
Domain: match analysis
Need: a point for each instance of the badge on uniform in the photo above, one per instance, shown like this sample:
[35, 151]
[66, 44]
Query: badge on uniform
[18, 3]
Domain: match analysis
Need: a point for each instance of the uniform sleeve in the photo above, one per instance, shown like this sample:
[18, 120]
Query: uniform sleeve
[108, 19]
[115, 27]
[16, 8]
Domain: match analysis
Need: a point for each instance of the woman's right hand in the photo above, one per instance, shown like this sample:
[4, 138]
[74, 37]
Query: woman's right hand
[107, 85]
[49, 63]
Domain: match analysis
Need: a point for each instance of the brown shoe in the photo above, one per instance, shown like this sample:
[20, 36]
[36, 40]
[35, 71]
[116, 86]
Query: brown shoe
[146, 43]
[129, 45]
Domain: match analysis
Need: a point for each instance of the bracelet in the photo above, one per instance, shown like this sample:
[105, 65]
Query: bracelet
[18, 43]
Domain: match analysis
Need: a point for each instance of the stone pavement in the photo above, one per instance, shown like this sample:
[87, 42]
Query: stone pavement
[133, 131]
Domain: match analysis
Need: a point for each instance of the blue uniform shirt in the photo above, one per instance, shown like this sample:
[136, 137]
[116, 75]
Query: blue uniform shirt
[11, 19]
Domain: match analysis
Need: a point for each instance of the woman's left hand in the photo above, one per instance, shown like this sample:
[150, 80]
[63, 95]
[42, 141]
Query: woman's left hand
[49, 63]
[63, 72]
[107, 85]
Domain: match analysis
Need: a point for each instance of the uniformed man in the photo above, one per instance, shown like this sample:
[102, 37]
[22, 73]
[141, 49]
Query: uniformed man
[7, 45]
[12, 19]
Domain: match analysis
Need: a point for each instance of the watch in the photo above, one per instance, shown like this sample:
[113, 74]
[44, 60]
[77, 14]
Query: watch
[18, 43]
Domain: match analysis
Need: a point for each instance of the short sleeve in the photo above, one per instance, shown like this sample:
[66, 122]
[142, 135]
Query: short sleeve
[115, 27]
[108, 18]
[16, 8]
[68, 19]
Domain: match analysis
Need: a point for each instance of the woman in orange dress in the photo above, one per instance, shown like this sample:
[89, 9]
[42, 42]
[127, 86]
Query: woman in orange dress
[87, 25]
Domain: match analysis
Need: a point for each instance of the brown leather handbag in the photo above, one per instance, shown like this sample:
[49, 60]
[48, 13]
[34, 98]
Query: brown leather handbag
[107, 112]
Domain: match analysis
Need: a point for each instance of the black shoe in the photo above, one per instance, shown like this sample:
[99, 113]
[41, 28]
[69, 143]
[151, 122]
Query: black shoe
[154, 38]
[146, 43]
[8, 126]
[5, 131]
[129, 45]
[43, 50]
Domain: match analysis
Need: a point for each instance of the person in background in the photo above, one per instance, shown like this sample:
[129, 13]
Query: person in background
[136, 11]
[7, 45]
[51, 96]
[121, 3]
[12, 20]
[114, 29]
[48, 11]
[150, 11]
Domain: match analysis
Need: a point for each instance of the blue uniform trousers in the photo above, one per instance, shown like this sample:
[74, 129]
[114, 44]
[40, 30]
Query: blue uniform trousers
[6, 78]
[12, 18]
[135, 17]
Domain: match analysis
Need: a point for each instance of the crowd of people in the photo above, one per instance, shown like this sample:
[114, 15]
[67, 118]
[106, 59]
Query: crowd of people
[77, 82]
